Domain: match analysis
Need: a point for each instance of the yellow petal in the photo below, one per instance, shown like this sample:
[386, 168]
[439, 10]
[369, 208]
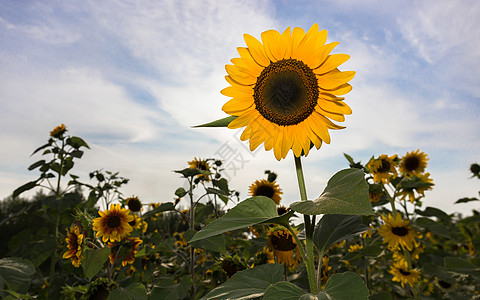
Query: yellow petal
[329, 123]
[238, 75]
[336, 107]
[319, 127]
[329, 97]
[237, 105]
[334, 79]
[341, 90]
[287, 140]
[274, 45]
[256, 50]
[332, 62]
[244, 119]
[287, 36]
[312, 47]
[249, 62]
[271, 137]
[333, 116]
[297, 36]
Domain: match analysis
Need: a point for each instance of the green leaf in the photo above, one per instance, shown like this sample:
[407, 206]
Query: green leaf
[255, 210]
[77, 153]
[286, 291]
[77, 142]
[457, 265]
[161, 208]
[36, 164]
[434, 212]
[27, 186]
[15, 274]
[167, 290]
[465, 200]
[247, 284]
[94, 261]
[434, 227]
[221, 184]
[219, 123]
[180, 192]
[372, 250]
[344, 286]
[215, 191]
[346, 194]
[332, 229]
[381, 296]
[191, 172]
[215, 243]
[135, 291]
[40, 148]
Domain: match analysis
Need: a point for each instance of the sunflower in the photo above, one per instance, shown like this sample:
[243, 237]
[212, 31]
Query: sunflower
[266, 188]
[283, 245]
[414, 255]
[58, 131]
[134, 204]
[355, 247]
[128, 251]
[424, 183]
[201, 164]
[383, 168]
[396, 231]
[74, 244]
[325, 269]
[285, 91]
[401, 273]
[413, 163]
[113, 224]
[138, 223]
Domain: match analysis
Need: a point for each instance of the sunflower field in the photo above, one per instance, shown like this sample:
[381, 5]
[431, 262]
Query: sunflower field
[367, 236]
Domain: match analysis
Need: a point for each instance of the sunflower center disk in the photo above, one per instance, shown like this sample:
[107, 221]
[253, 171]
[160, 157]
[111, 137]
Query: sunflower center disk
[286, 92]
[412, 163]
[403, 272]
[264, 190]
[283, 242]
[385, 167]
[400, 231]
[113, 222]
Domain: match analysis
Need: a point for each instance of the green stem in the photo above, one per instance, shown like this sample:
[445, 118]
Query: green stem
[310, 260]
[192, 227]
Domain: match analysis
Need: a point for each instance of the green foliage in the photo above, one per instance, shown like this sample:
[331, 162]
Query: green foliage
[15, 275]
[219, 123]
[94, 261]
[346, 193]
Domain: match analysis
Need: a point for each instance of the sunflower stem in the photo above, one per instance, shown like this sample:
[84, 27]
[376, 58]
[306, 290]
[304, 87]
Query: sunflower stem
[309, 260]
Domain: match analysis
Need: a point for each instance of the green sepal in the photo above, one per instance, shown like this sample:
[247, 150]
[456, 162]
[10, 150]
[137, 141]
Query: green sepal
[346, 194]
[219, 123]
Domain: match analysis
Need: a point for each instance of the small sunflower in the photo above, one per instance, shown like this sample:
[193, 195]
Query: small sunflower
[396, 231]
[383, 168]
[113, 224]
[413, 163]
[414, 255]
[128, 251]
[58, 131]
[425, 183]
[266, 188]
[285, 91]
[138, 223]
[134, 204]
[284, 246]
[201, 164]
[74, 244]
[355, 247]
[401, 273]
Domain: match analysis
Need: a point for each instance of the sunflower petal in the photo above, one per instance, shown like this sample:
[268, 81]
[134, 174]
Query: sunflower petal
[331, 63]
[249, 62]
[237, 105]
[297, 36]
[319, 127]
[334, 79]
[333, 116]
[341, 90]
[336, 107]
[239, 76]
[256, 50]
[244, 119]
[274, 45]
[287, 36]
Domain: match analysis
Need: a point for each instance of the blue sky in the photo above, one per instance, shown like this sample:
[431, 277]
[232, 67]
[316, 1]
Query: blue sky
[132, 77]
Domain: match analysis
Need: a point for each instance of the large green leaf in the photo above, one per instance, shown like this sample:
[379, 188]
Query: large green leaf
[15, 274]
[332, 229]
[94, 261]
[255, 210]
[214, 243]
[344, 286]
[135, 291]
[433, 226]
[458, 265]
[248, 284]
[168, 290]
[286, 291]
[161, 208]
[219, 123]
[346, 194]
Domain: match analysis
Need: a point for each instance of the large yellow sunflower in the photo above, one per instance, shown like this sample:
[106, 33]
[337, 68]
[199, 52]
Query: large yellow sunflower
[285, 91]
[74, 244]
[113, 224]
[266, 188]
[397, 231]
[284, 247]
[401, 273]
[413, 163]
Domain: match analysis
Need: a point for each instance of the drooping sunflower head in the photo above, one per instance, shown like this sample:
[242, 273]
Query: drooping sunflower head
[266, 188]
[134, 204]
[128, 249]
[58, 131]
[397, 231]
[413, 163]
[285, 90]
[419, 184]
[113, 223]
[201, 164]
[74, 242]
[284, 246]
[401, 273]
[383, 168]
